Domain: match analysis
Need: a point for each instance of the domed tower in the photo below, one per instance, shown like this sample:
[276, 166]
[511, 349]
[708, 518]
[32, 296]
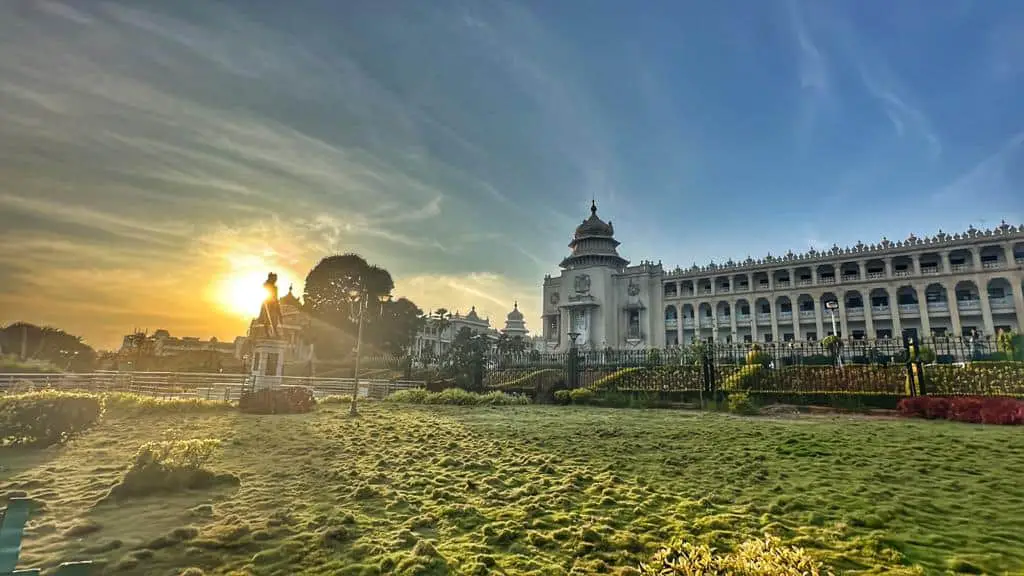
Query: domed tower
[594, 244]
[515, 325]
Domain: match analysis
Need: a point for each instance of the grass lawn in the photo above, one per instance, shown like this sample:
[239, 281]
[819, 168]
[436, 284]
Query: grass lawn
[530, 490]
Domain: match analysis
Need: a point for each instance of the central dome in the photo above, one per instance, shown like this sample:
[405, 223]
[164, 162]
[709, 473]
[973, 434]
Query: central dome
[594, 244]
[594, 226]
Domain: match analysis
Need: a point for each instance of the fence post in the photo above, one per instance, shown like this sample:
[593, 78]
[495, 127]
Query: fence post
[572, 371]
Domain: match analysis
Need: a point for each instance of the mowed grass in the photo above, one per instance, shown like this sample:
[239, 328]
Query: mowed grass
[530, 490]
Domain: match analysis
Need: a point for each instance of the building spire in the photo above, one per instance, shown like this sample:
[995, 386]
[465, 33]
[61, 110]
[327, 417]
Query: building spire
[593, 206]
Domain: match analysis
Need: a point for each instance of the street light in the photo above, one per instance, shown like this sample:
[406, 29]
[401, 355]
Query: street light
[360, 299]
[832, 306]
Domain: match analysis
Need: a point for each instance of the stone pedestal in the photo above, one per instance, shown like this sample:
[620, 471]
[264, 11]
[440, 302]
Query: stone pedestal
[268, 363]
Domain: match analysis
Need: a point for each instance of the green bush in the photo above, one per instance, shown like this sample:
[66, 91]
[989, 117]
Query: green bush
[745, 378]
[121, 402]
[47, 417]
[581, 396]
[741, 403]
[562, 397]
[291, 400]
[767, 557]
[758, 358]
[457, 397]
[169, 466]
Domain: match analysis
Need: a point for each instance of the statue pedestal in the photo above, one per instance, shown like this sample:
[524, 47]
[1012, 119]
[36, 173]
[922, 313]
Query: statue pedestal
[267, 363]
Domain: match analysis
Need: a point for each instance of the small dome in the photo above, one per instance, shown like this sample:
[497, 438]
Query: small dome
[472, 314]
[515, 315]
[594, 226]
[289, 299]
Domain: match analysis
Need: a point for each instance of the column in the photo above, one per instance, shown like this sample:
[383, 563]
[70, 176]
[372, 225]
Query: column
[888, 267]
[771, 282]
[922, 306]
[679, 319]
[986, 312]
[819, 324]
[975, 258]
[753, 315]
[954, 309]
[916, 259]
[869, 322]
[732, 320]
[797, 335]
[1018, 304]
[773, 307]
[792, 279]
[862, 269]
[894, 313]
[1010, 262]
[814, 275]
[944, 264]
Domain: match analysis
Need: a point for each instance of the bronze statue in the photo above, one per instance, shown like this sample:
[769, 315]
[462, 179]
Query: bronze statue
[270, 311]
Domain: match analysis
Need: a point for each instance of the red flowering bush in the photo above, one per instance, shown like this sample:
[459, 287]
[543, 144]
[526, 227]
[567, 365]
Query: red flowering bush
[973, 409]
[291, 400]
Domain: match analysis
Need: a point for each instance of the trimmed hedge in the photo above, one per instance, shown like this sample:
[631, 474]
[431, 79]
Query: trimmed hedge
[976, 378]
[973, 409]
[292, 400]
[48, 417]
[457, 397]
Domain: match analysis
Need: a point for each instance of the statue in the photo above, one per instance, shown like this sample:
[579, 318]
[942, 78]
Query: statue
[270, 311]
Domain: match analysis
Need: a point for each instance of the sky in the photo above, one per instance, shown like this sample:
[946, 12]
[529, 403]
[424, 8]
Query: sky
[154, 155]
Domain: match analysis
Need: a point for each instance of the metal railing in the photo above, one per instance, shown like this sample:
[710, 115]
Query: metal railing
[192, 385]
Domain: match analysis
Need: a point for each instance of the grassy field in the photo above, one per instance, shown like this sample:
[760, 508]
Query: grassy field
[530, 490]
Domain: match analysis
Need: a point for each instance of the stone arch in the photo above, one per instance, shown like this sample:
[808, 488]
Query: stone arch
[853, 299]
[805, 302]
[849, 271]
[1000, 295]
[784, 304]
[966, 290]
[879, 298]
[723, 309]
[687, 311]
[740, 304]
[992, 256]
[671, 313]
[961, 259]
[906, 295]
[762, 306]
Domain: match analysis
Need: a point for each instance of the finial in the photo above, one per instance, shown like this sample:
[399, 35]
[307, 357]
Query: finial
[515, 305]
[289, 288]
[593, 206]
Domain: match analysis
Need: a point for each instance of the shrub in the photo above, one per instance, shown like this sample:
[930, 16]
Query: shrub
[767, 557]
[47, 417]
[169, 466]
[741, 403]
[291, 400]
[581, 396]
[973, 409]
[457, 397]
[758, 358]
[138, 404]
[562, 397]
[745, 378]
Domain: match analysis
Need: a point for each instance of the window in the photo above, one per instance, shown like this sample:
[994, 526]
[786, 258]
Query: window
[996, 292]
[910, 333]
[807, 306]
[787, 337]
[634, 324]
[786, 307]
[883, 334]
[859, 335]
[968, 331]
[747, 338]
[766, 308]
[855, 302]
[906, 299]
[767, 337]
[879, 300]
[933, 296]
[939, 332]
[745, 310]
[964, 296]
[812, 336]
[271, 364]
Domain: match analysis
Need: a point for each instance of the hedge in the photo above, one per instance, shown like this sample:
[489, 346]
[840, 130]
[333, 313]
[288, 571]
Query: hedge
[48, 417]
[973, 409]
[292, 400]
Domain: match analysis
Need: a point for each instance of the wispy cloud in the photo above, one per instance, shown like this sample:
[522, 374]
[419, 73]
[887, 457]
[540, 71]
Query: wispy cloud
[813, 74]
[989, 181]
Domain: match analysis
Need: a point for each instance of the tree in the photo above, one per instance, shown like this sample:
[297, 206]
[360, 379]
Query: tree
[331, 284]
[388, 326]
[31, 342]
[465, 359]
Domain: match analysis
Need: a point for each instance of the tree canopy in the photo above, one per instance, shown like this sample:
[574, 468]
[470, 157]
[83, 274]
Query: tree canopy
[32, 342]
[333, 290]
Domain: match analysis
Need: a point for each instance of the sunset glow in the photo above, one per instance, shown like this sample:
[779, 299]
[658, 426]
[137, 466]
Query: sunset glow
[242, 292]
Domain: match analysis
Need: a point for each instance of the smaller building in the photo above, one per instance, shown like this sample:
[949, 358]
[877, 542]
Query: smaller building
[437, 334]
[161, 343]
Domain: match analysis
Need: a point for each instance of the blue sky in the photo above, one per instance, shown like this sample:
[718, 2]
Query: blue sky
[151, 151]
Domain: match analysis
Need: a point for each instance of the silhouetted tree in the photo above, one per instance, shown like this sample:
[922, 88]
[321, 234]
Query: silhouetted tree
[388, 326]
[31, 342]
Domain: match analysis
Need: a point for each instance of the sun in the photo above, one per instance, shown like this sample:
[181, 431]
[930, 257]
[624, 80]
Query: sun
[242, 292]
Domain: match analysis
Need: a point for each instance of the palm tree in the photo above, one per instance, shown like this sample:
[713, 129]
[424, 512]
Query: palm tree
[441, 320]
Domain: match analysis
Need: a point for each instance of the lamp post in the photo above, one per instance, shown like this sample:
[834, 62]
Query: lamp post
[832, 306]
[357, 314]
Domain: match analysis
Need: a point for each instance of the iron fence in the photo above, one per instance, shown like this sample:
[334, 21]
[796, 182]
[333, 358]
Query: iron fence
[193, 385]
[885, 367]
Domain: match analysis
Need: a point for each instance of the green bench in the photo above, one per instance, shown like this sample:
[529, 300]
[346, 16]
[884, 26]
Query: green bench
[12, 525]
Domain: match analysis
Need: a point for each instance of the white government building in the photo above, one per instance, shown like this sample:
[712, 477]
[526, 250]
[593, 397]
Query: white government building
[944, 285]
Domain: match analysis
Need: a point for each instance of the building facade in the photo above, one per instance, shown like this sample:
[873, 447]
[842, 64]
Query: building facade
[959, 284]
[437, 334]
